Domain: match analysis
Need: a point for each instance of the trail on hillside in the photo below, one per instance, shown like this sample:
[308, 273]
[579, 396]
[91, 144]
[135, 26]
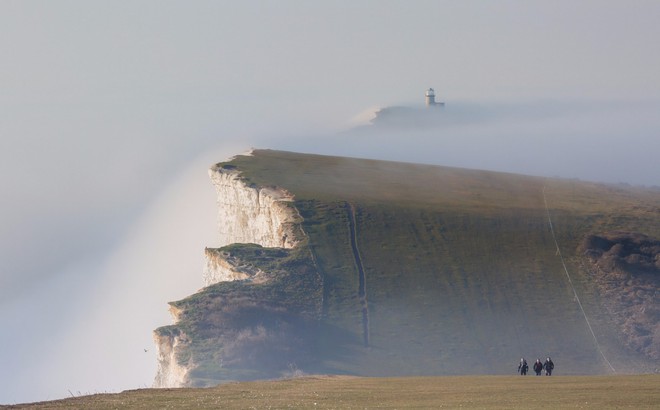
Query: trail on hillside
[362, 289]
[570, 282]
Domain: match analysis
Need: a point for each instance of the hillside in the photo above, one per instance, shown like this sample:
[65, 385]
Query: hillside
[393, 269]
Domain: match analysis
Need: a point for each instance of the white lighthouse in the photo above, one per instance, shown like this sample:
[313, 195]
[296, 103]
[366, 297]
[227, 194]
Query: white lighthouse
[430, 99]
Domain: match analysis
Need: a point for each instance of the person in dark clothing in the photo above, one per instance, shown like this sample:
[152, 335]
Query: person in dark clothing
[548, 366]
[538, 367]
[522, 367]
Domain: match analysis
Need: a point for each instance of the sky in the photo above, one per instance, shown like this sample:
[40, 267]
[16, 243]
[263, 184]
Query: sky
[111, 113]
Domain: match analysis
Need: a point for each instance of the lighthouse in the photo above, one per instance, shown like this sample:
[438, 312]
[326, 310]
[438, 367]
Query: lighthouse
[430, 99]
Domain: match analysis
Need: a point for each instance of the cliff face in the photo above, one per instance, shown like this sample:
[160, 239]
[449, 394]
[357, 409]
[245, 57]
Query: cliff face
[262, 216]
[246, 215]
[252, 214]
[171, 373]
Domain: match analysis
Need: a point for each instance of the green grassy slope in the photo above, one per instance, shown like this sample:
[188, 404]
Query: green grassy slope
[461, 271]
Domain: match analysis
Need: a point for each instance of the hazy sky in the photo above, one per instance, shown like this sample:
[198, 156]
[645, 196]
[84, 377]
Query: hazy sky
[111, 111]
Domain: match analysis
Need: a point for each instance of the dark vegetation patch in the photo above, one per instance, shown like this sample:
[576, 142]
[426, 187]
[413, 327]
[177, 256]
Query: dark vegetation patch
[626, 268]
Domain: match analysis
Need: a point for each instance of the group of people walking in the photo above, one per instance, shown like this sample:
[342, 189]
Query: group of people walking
[538, 367]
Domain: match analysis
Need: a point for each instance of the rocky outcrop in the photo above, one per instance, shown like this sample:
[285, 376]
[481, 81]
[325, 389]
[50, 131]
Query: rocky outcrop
[171, 373]
[220, 267]
[223, 266]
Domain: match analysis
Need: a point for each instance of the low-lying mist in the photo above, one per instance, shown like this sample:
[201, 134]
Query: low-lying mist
[87, 328]
[87, 280]
[611, 142]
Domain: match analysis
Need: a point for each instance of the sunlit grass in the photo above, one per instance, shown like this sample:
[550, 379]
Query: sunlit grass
[343, 392]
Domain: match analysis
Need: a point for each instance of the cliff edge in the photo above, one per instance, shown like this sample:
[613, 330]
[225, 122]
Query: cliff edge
[252, 216]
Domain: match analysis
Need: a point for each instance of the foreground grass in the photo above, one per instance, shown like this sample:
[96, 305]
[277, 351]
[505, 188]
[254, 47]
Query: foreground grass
[321, 392]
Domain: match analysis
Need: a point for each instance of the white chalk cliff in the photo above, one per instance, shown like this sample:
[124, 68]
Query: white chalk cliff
[170, 372]
[258, 215]
[252, 215]
[263, 216]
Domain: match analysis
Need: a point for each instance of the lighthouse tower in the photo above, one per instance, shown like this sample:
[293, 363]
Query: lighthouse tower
[430, 99]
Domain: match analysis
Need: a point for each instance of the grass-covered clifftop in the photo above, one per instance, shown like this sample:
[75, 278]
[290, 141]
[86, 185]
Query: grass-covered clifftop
[422, 270]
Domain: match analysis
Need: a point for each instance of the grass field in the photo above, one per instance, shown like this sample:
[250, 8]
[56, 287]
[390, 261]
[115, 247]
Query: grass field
[345, 392]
